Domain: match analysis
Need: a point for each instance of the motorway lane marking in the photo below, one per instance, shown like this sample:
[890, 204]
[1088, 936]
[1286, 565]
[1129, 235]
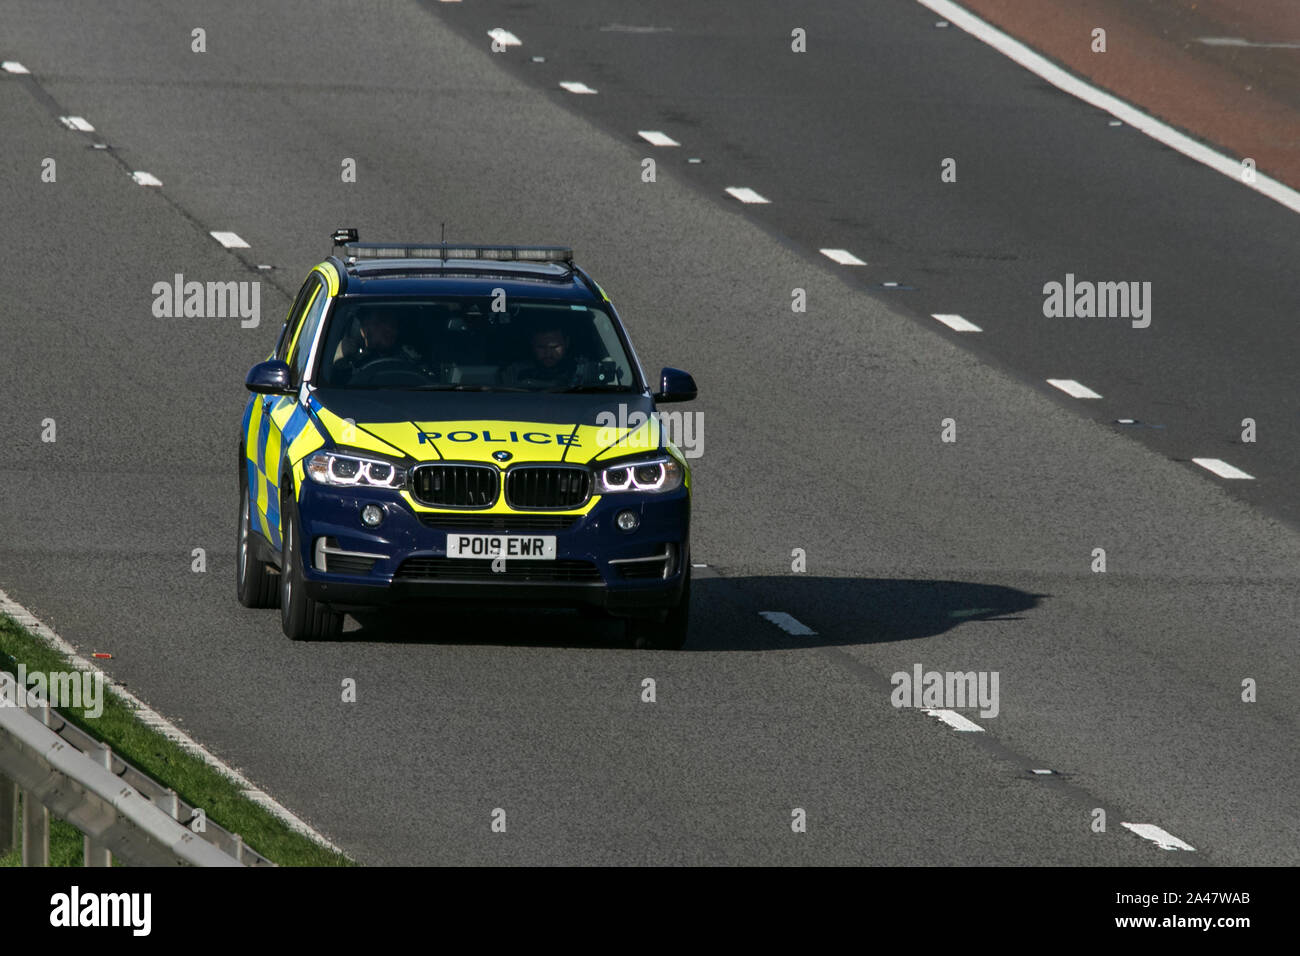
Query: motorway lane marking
[146, 179]
[13, 66]
[77, 122]
[160, 723]
[1238, 41]
[230, 240]
[842, 257]
[504, 37]
[1063, 80]
[1162, 838]
[1222, 468]
[575, 87]
[656, 138]
[956, 322]
[745, 194]
[956, 721]
[787, 623]
[1072, 388]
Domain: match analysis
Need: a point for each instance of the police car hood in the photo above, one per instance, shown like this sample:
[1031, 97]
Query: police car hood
[471, 426]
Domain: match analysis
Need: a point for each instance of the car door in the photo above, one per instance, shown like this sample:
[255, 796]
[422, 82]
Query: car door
[264, 441]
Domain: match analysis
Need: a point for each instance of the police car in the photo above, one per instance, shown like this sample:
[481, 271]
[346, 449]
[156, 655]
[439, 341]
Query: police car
[451, 422]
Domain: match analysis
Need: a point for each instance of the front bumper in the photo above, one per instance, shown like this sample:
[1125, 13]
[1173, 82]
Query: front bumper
[595, 564]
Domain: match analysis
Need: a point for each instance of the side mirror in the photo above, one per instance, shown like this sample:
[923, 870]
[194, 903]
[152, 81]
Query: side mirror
[675, 386]
[269, 378]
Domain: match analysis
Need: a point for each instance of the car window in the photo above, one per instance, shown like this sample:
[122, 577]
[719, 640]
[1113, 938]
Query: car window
[295, 315]
[310, 323]
[461, 342]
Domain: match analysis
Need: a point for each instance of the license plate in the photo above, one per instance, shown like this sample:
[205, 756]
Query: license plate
[513, 547]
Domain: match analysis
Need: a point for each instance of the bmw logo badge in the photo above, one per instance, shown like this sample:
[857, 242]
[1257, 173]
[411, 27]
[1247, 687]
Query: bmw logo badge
[502, 455]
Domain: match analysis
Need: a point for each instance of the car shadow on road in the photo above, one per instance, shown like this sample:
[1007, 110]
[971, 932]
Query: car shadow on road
[725, 615]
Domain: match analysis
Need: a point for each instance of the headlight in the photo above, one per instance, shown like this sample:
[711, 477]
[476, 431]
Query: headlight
[654, 475]
[334, 468]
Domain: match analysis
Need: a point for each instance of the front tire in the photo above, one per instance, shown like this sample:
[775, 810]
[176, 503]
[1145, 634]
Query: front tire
[669, 634]
[301, 617]
[255, 585]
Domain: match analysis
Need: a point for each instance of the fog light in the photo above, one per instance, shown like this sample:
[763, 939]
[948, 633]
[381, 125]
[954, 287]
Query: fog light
[371, 515]
[628, 521]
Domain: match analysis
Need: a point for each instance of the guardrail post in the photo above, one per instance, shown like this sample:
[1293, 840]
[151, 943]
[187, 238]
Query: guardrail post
[171, 804]
[36, 816]
[92, 853]
[9, 831]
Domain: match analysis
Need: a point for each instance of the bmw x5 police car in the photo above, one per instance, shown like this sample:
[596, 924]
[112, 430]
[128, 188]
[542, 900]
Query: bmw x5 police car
[442, 422]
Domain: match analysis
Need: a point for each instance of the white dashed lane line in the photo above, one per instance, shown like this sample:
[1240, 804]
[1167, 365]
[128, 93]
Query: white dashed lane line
[504, 37]
[145, 179]
[1072, 388]
[787, 623]
[745, 194]
[956, 721]
[656, 138]
[78, 123]
[1222, 468]
[230, 240]
[956, 322]
[842, 257]
[575, 87]
[13, 66]
[1161, 838]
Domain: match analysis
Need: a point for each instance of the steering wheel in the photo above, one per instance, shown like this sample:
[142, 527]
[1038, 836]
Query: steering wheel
[390, 370]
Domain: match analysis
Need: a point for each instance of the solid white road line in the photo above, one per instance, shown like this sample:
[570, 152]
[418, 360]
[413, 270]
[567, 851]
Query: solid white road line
[229, 239]
[787, 623]
[1072, 388]
[842, 256]
[157, 721]
[956, 323]
[1162, 838]
[77, 122]
[745, 194]
[656, 138]
[956, 721]
[574, 87]
[146, 179]
[1222, 468]
[1064, 80]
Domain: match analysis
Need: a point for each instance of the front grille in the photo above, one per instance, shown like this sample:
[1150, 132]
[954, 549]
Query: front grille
[500, 522]
[348, 564]
[458, 569]
[545, 486]
[455, 486]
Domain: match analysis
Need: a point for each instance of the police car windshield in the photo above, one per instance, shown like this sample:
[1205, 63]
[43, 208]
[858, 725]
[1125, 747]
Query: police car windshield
[479, 343]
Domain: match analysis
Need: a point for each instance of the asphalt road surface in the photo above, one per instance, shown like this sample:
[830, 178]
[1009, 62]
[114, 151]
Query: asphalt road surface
[822, 429]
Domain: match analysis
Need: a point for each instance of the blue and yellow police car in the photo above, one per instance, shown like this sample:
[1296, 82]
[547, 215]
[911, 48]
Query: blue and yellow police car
[460, 422]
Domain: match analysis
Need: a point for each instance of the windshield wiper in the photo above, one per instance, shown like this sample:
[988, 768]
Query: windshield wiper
[462, 388]
[594, 388]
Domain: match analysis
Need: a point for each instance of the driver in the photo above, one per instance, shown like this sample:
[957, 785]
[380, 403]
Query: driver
[378, 337]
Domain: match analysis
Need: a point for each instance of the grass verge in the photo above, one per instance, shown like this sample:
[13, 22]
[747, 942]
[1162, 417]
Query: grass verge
[196, 782]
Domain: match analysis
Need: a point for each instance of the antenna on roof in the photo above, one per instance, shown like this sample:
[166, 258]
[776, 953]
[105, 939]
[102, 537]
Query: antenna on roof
[341, 236]
[444, 233]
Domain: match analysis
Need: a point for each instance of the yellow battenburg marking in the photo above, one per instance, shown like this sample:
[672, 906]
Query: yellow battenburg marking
[250, 440]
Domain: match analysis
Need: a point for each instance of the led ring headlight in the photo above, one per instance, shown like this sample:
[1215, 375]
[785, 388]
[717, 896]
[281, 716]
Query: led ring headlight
[333, 468]
[656, 475]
